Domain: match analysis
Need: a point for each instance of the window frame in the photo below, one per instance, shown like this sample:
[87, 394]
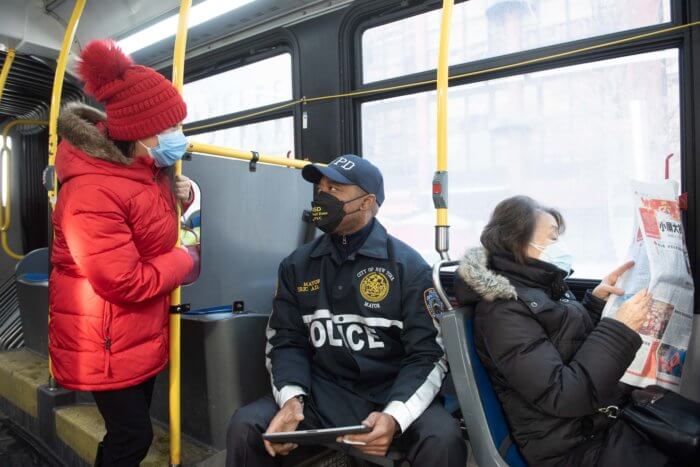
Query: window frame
[364, 16]
[238, 55]
[286, 113]
[370, 22]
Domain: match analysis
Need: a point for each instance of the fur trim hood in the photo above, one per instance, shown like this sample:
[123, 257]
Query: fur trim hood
[84, 128]
[474, 272]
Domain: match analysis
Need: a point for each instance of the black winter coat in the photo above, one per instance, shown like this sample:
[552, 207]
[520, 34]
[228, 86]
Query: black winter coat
[553, 362]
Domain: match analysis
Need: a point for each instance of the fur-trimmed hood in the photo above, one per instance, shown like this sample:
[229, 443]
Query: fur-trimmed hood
[85, 149]
[82, 126]
[481, 282]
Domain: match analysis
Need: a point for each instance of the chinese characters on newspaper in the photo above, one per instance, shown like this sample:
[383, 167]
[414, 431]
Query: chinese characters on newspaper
[661, 265]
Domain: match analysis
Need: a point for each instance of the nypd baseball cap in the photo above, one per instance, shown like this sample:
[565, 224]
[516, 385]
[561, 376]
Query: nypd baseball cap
[349, 170]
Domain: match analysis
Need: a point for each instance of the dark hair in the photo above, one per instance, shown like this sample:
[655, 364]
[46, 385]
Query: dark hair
[126, 147]
[512, 224]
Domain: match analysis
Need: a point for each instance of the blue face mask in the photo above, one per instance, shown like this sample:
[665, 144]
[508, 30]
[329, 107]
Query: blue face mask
[557, 254]
[170, 149]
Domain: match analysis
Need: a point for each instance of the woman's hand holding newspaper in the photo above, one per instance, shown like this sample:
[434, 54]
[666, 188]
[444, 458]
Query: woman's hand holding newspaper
[634, 311]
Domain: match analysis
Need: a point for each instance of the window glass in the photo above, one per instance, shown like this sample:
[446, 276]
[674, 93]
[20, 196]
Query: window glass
[272, 137]
[251, 86]
[571, 137]
[489, 28]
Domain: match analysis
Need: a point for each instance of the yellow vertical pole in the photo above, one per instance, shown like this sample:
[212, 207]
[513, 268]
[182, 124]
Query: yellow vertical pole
[61, 64]
[175, 298]
[440, 180]
[6, 65]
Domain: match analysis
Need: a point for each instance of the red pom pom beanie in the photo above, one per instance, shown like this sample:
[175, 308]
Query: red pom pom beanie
[139, 101]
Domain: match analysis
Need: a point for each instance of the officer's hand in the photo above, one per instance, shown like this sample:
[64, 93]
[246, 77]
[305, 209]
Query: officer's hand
[377, 441]
[287, 419]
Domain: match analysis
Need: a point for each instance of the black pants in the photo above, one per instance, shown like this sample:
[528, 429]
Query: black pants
[128, 423]
[434, 439]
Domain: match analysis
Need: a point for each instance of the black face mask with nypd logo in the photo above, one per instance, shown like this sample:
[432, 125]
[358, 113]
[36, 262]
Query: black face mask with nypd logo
[327, 211]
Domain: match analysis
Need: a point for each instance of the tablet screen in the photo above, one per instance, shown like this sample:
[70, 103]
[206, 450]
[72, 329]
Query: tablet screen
[320, 436]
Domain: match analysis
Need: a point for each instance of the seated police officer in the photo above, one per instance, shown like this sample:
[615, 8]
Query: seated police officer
[352, 337]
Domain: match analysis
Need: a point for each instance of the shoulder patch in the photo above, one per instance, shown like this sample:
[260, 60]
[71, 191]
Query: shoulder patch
[433, 304]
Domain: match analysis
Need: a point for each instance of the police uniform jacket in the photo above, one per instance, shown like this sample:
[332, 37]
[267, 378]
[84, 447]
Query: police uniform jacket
[356, 335]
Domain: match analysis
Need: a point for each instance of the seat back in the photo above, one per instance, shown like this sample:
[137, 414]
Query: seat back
[489, 434]
[488, 430]
[35, 262]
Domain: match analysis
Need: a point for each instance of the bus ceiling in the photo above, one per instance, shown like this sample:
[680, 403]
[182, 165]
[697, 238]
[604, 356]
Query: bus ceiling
[36, 27]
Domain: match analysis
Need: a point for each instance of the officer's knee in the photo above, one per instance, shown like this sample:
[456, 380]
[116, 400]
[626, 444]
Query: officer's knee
[239, 425]
[448, 439]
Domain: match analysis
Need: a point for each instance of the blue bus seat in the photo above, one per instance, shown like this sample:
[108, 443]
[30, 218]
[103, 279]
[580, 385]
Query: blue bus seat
[489, 434]
[32, 281]
[34, 278]
[450, 402]
[498, 426]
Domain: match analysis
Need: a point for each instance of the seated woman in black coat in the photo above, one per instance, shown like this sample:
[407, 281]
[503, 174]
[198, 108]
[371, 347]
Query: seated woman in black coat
[553, 361]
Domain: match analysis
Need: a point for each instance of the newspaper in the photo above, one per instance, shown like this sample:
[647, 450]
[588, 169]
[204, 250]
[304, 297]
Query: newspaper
[662, 266]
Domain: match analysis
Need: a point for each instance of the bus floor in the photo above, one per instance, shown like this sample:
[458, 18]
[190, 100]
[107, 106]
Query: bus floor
[18, 450]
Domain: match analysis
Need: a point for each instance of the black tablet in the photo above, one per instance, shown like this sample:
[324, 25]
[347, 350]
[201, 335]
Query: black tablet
[321, 436]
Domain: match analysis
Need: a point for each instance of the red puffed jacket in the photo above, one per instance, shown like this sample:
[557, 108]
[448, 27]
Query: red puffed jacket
[114, 261]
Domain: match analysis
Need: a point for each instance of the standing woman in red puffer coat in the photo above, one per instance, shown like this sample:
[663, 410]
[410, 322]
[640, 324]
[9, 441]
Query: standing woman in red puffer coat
[114, 259]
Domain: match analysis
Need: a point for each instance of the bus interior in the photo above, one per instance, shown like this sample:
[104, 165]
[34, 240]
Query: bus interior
[565, 101]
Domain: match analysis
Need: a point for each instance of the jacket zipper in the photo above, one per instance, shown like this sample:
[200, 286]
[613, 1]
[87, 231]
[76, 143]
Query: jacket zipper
[107, 338]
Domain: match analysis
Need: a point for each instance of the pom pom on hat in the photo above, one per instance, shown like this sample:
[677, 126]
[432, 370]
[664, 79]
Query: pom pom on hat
[102, 62]
[139, 101]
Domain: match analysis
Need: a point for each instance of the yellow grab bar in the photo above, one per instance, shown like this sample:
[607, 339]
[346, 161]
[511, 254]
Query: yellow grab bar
[440, 180]
[176, 296]
[221, 151]
[7, 64]
[53, 114]
[58, 90]
[442, 83]
[5, 211]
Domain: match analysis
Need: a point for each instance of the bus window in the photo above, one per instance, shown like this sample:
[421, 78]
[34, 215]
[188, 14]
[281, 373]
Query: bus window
[256, 85]
[488, 28]
[273, 136]
[570, 137]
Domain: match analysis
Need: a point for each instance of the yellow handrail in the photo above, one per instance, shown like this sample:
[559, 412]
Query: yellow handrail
[442, 227]
[7, 64]
[238, 154]
[56, 92]
[175, 297]
[5, 211]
